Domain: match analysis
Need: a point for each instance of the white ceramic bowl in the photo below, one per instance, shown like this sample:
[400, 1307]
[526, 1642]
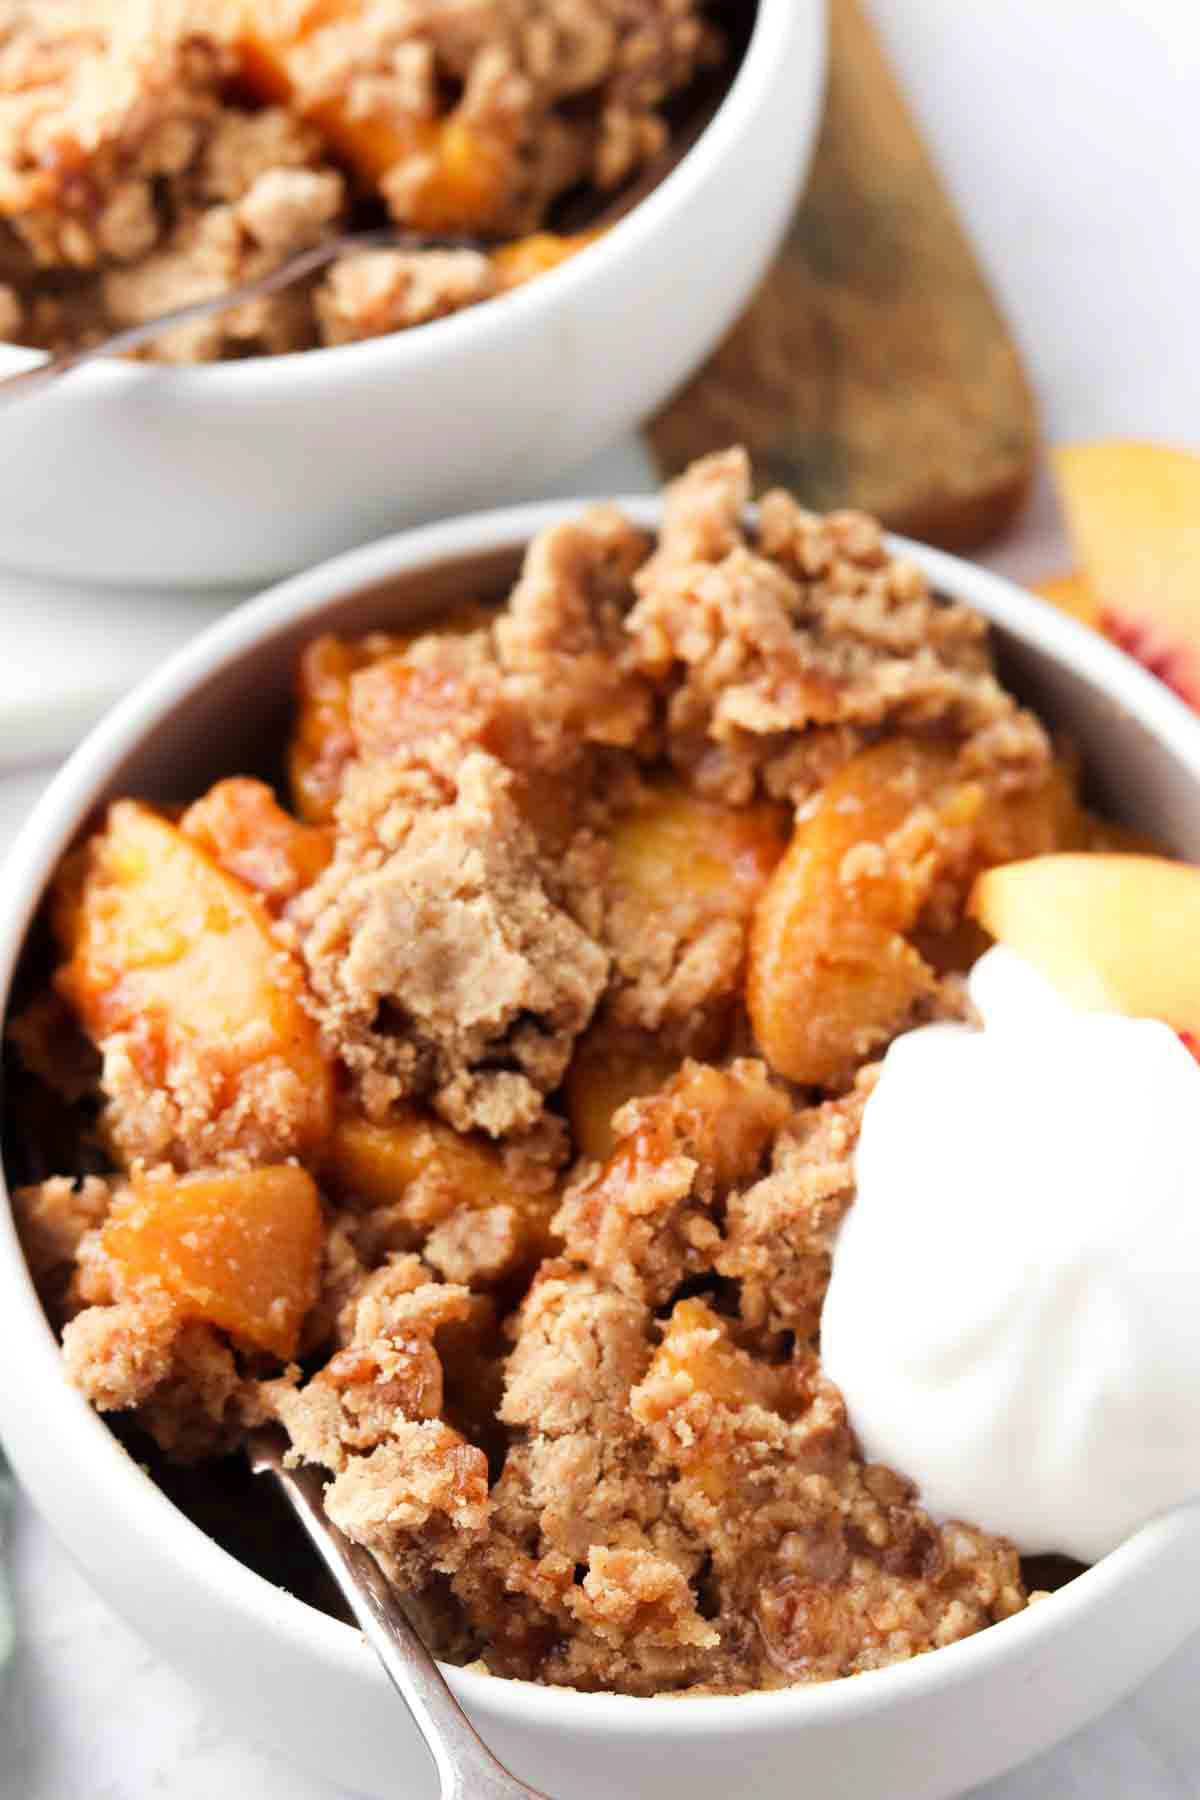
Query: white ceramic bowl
[920, 1731]
[238, 472]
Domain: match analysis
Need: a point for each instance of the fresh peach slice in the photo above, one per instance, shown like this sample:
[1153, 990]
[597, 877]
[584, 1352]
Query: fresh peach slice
[240, 1249]
[1114, 933]
[1071, 594]
[1133, 511]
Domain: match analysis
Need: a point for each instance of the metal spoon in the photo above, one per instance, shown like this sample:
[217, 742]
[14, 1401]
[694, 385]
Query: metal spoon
[466, 1768]
[304, 262]
[317, 256]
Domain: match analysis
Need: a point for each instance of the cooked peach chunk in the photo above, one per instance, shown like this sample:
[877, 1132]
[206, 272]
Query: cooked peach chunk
[720, 1121]
[419, 1175]
[467, 183]
[1117, 933]
[379, 1162]
[174, 970]
[697, 1378]
[243, 827]
[831, 973]
[1133, 511]
[685, 874]
[675, 846]
[697, 1346]
[867, 903]
[608, 1068]
[322, 743]
[396, 703]
[467, 177]
[1031, 822]
[328, 716]
[1009, 826]
[240, 1249]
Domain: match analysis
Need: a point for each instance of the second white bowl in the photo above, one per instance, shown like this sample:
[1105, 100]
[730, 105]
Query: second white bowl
[237, 472]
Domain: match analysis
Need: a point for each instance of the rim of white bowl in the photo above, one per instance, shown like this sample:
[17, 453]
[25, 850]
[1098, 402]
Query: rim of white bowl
[623, 241]
[86, 1441]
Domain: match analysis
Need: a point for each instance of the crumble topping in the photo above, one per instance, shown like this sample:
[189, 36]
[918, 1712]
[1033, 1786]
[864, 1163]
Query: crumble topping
[442, 966]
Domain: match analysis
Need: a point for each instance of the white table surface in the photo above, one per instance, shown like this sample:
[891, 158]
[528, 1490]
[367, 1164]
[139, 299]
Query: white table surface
[1069, 131]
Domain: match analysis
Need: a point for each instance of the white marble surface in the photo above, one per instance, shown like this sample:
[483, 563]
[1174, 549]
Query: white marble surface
[1070, 133]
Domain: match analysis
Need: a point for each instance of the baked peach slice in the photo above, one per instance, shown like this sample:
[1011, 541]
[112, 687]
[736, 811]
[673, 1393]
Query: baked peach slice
[684, 874]
[675, 844]
[525, 258]
[240, 1249]
[1133, 512]
[608, 1067]
[467, 177]
[864, 911]
[327, 723]
[322, 742]
[831, 972]
[1115, 933]
[698, 1377]
[242, 826]
[378, 1163]
[173, 965]
[422, 1182]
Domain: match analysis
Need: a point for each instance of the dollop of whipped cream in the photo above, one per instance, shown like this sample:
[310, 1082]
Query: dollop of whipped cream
[1014, 1313]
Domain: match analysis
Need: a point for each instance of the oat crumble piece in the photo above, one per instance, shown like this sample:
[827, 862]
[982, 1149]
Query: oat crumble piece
[372, 292]
[440, 964]
[812, 626]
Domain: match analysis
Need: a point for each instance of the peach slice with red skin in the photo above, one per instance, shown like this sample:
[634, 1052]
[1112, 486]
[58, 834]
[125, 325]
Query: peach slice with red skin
[1112, 933]
[1133, 512]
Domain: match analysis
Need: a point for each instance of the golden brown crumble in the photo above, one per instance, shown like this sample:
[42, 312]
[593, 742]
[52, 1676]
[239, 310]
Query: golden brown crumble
[596, 912]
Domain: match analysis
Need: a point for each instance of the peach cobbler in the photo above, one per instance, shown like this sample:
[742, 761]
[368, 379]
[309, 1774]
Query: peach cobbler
[159, 152]
[481, 1105]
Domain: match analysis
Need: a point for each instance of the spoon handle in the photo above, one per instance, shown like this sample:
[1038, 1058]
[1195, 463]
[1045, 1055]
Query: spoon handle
[466, 1768]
